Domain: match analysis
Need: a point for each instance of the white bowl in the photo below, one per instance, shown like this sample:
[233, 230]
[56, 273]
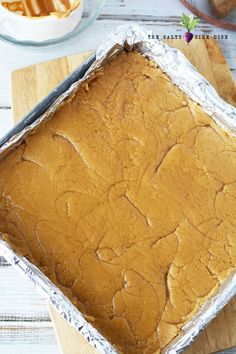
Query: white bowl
[38, 29]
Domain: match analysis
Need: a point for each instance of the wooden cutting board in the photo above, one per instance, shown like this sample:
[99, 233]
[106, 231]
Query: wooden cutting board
[221, 8]
[31, 84]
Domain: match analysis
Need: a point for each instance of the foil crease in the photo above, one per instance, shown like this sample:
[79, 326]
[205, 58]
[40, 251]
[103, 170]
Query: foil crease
[183, 74]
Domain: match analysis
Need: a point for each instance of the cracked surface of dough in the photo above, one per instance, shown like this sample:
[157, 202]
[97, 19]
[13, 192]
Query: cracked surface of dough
[126, 200]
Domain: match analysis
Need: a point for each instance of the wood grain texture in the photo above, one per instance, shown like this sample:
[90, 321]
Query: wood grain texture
[225, 82]
[69, 340]
[221, 8]
[219, 335]
[208, 59]
[41, 79]
[214, 66]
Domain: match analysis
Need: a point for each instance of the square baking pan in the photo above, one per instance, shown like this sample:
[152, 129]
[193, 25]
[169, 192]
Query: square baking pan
[183, 74]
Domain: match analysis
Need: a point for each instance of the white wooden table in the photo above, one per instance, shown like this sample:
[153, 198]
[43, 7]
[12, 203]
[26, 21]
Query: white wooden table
[25, 325]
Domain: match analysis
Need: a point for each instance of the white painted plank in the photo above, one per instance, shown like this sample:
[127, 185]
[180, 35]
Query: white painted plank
[143, 8]
[18, 298]
[27, 338]
[3, 262]
[25, 325]
[6, 121]
[21, 348]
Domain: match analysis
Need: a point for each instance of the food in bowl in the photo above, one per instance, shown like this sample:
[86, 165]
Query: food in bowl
[37, 8]
[39, 21]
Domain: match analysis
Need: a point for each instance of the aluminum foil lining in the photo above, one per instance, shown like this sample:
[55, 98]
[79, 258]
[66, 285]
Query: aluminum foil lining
[57, 299]
[182, 73]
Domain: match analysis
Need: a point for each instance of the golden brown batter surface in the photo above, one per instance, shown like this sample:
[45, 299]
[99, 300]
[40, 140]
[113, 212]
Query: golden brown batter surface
[126, 200]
